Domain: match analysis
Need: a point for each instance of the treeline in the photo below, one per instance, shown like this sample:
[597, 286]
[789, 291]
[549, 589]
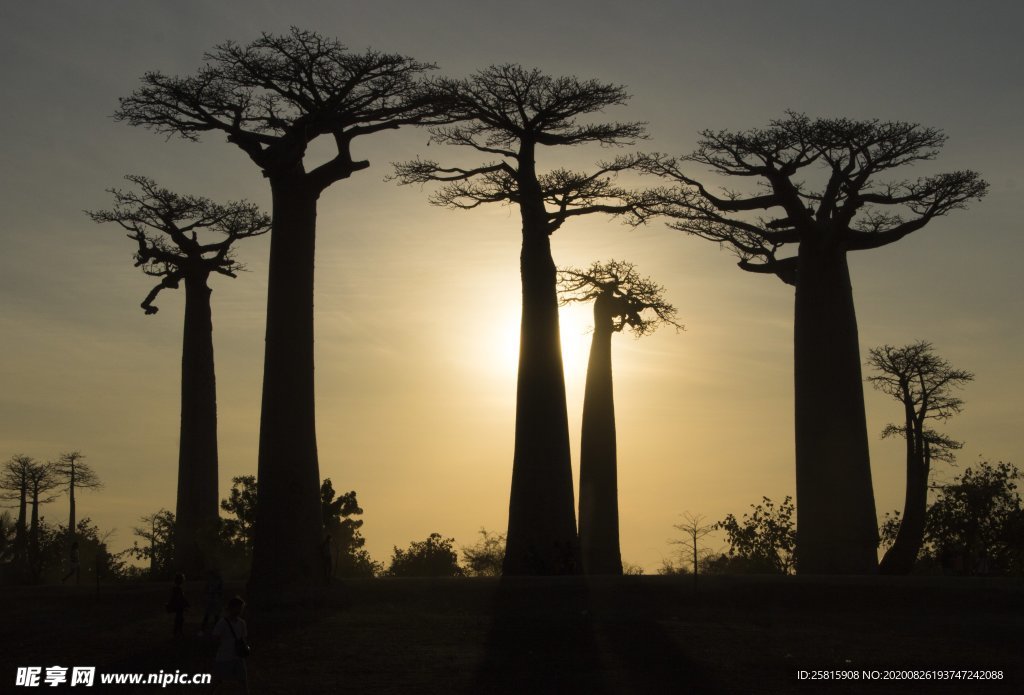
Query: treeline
[973, 527]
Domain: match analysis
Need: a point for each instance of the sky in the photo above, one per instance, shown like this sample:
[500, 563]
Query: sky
[417, 307]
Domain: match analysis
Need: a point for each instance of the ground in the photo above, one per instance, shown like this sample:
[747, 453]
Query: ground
[560, 635]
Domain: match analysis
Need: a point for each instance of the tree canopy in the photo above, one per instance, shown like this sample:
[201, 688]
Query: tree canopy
[275, 95]
[636, 302]
[166, 227]
[820, 180]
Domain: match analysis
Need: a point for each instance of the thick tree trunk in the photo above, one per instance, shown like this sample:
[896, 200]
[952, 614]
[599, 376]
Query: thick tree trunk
[21, 534]
[900, 558]
[289, 527]
[71, 505]
[836, 525]
[541, 537]
[599, 497]
[196, 515]
[33, 539]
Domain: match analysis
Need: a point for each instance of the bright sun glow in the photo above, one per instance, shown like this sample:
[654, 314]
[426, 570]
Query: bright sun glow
[499, 348]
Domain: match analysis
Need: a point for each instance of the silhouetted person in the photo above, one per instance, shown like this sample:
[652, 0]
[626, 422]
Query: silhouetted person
[214, 599]
[178, 603]
[231, 634]
[74, 565]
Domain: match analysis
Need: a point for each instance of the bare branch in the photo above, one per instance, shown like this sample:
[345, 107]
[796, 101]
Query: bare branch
[852, 210]
[632, 300]
[166, 227]
[275, 95]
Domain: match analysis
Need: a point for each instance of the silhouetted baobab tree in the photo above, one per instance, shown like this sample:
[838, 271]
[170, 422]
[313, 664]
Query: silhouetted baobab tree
[924, 384]
[695, 528]
[41, 481]
[16, 483]
[166, 229]
[847, 207]
[621, 299]
[272, 98]
[73, 473]
[507, 113]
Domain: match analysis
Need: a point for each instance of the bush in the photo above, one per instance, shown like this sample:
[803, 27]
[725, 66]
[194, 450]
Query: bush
[433, 557]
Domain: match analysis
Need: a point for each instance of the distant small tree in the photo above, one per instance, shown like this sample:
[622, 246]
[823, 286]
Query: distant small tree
[41, 481]
[15, 477]
[925, 386]
[92, 553]
[632, 570]
[694, 528]
[485, 558]
[433, 557]
[73, 473]
[157, 534]
[764, 541]
[622, 299]
[241, 503]
[976, 524]
[350, 558]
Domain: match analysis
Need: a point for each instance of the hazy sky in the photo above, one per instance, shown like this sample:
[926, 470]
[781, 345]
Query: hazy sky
[417, 307]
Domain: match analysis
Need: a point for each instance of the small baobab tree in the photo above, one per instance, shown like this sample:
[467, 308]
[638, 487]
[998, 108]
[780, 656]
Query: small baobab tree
[41, 482]
[694, 527]
[823, 192]
[272, 98]
[74, 474]
[925, 385]
[622, 299]
[185, 239]
[509, 113]
[16, 486]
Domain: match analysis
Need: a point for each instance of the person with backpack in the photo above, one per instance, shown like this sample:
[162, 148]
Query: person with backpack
[232, 647]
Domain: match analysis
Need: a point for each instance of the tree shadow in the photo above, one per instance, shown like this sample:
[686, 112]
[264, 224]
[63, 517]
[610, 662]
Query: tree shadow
[568, 635]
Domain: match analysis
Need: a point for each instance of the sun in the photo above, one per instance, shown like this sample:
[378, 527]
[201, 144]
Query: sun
[496, 348]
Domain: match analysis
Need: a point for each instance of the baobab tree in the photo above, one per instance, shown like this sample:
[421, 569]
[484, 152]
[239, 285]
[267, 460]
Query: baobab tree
[272, 98]
[848, 207]
[41, 481]
[621, 299]
[15, 484]
[185, 239]
[73, 474]
[694, 527]
[924, 384]
[508, 113]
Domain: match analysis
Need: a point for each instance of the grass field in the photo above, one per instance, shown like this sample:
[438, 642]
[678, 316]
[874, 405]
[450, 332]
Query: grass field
[564, 635]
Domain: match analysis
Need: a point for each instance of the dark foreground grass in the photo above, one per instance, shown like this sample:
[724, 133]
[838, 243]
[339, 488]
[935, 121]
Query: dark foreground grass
[626, 635]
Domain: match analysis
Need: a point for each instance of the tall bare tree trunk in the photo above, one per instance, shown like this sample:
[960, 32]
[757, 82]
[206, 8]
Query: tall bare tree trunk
[599, 497]
[836, 525]
[21, 534]
[541, 537]
[289, 527]
[196, 515]
[900, 558]
[35, 568]
[71, 505]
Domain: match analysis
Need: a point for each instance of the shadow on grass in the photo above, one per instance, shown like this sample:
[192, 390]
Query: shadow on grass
[567, 635]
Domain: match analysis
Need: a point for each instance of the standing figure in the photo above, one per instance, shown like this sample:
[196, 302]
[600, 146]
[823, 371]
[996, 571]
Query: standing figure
[178, 603]
[231, 634]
